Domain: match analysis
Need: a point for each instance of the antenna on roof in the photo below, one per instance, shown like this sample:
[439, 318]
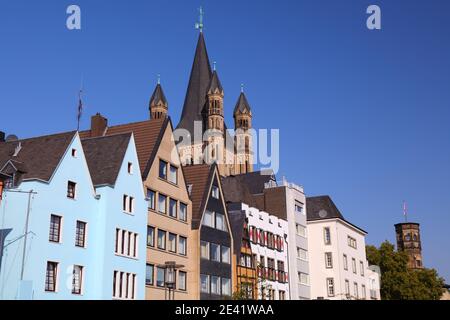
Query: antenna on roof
[214, 66]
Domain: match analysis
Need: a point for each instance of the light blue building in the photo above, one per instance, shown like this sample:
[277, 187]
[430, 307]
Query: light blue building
[78, 216]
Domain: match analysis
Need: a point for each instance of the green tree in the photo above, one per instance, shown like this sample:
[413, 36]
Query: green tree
[400, 283]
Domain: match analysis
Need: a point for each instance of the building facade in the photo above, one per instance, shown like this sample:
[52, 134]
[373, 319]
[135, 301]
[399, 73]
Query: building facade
[337, 253]
[76, 217]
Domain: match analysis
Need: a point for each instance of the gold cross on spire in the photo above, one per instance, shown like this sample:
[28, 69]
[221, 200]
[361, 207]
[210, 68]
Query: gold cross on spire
[199, 25]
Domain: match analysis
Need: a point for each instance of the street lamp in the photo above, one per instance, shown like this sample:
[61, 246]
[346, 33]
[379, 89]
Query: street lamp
[170, 271]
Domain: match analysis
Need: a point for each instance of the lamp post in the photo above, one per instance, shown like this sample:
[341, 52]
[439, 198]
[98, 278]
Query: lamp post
[170, 271]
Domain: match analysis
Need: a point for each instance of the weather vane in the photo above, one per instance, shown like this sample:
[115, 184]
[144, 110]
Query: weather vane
[199, 25]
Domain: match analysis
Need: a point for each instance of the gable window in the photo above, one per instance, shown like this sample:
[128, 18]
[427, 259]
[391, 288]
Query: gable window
[126, 243]
[215, 252]
[149, 274]
[161, 240]
[220, 222]
[215, 192]
[204, 250]
[173, 174]
[130, 168]
[55, 228]
[128, 204]
[172, 242]
[330, 287]
[74, 153]
[77, 278]
[151, 196]
[51, 276]
[162, 199]
[328, 260]
[163, 169]
[80, 234]
[183, 212]
[172, 208]
[208, 219]
[182, 241]
[71, 186]
[150, 236]
[327, 235]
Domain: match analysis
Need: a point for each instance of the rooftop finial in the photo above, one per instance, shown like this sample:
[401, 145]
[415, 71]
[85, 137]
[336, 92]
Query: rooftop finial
[199, 25]
[159, 78]
[214, 66]
[242, 88]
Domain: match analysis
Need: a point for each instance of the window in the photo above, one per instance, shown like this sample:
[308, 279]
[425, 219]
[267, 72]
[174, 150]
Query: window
[345, 262]
[80, 234]
[302, 254]
[330, 287]
[182, 276]
[150, 236]
[124, 285]
[128, 204]
[151, 196]
[77, 278]
[183, 212]
[220, 222]
[163, 169]
[51, 276]
[74, 153]
[298, 207]
[226, 254]
[351, 242]
[208, 219]
[55, 228]
[173, 174]
[130, 168]
[215, 285]
[126, 243]
[182, 242]
[172, 242]
[282, 295]
[204, 249]
[328, 260]
[71, 186]
[162, 199]
[160, 277]
[363, 292]
[327, 235]
[204, 283]
[215, 252]
[215, 192]
[149, 274]
[301, 230]
[361, 267]
[303, 278]
[161, 239]
[347, 289]
[173, 208]
[354, 265]
[355, 288]
[226, 287]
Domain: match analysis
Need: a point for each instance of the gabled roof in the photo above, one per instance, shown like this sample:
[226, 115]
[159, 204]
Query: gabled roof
[158, 96]
[199, 177]
[235, 191]
[38, 157]
[215, 85]
[147, 135]
[242, 105]
[104, 156]
[199, 82]
[254, 181]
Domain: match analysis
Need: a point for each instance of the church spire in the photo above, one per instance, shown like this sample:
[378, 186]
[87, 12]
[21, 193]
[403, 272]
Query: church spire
[158, 103]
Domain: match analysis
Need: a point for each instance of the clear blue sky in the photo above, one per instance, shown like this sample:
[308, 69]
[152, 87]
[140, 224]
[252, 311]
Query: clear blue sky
[364, 115]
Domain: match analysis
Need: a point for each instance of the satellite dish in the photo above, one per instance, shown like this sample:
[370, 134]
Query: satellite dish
[12, 137]
[323, 213]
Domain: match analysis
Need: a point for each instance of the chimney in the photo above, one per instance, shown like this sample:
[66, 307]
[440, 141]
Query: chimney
[2, 136]
[98, 125]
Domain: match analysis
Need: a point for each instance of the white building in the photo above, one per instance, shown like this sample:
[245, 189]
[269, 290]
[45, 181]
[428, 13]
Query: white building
[268, 235]
[337, 255]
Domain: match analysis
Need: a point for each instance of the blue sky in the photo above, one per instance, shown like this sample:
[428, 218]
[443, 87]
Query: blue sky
[364, 115]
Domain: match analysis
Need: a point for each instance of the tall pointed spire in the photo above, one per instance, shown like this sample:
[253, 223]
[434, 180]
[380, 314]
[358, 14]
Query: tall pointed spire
[158, 103]
[198, 86]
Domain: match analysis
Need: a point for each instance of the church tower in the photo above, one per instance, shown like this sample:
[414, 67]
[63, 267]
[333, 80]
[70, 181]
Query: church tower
[408, 240]
[243, 139]
[158, 103]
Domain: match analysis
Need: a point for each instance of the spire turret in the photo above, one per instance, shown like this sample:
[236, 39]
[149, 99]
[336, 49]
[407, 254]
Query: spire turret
[158, 103]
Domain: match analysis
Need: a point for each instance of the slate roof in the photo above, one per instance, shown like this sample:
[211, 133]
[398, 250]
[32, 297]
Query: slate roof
[215, 84]
[237, 220]
[104, 156]
[200, 177]
[323, 208]
[236, 191]
[255, 181]
[158, 96]
[242, 104]
[39, 157]
[147, 136]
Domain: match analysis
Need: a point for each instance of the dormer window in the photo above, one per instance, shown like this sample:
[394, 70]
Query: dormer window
[71, 189]
[130, 168]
